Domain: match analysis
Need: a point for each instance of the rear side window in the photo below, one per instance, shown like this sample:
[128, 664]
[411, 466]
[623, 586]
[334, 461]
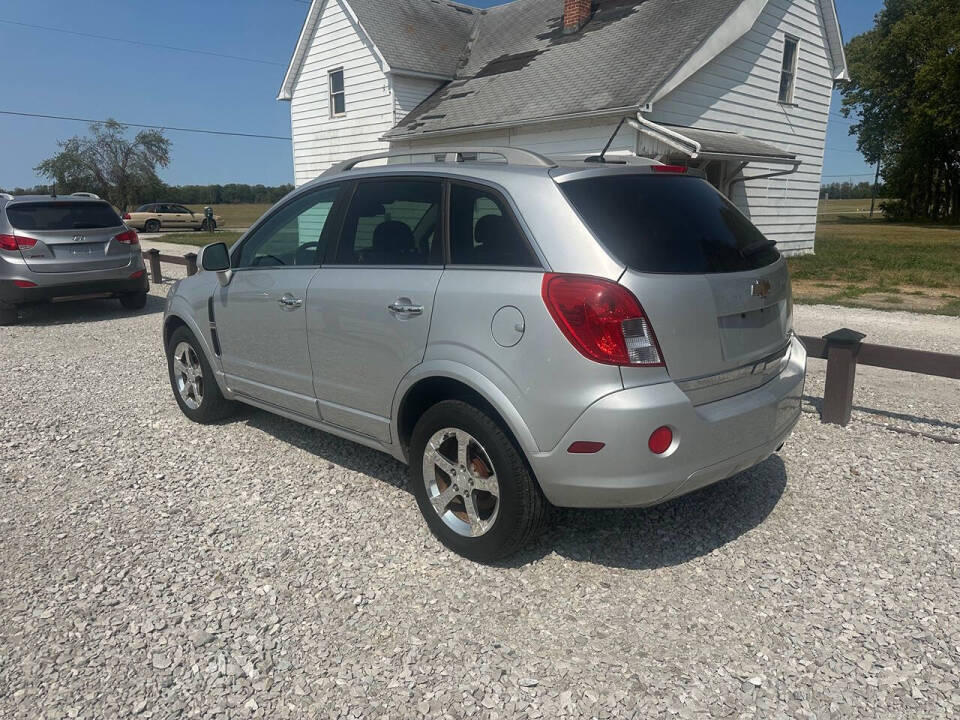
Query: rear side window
[482, 231]
[62, 215]
[393, 222]
[669, 224]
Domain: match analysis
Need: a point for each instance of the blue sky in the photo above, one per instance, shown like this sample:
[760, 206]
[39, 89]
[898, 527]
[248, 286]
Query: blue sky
[61, 74]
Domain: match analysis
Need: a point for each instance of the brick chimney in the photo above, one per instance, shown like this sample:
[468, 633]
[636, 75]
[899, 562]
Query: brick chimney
[576, 13]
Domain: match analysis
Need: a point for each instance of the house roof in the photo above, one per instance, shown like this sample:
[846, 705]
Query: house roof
[679, 141]
[522, 67]
[422, 36]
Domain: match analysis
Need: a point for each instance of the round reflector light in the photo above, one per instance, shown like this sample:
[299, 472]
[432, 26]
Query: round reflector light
[660, 440]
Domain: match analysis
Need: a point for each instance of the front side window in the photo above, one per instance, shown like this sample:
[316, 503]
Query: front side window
[293, 236]
[338, 96]
[788, 70]
[482, 231]
[181, 209]
[393, 222]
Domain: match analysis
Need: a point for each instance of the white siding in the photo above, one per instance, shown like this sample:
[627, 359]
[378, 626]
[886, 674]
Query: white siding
[738, 90]
[408, 92]
[556, 138]
[319, 140]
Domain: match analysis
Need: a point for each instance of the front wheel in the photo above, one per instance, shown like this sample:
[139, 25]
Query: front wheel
[191, 377]
[472, 484]
[151, 226]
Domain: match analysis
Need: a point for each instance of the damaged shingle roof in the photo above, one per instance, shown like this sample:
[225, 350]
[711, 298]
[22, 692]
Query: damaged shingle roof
[520, 66]
[428, 36]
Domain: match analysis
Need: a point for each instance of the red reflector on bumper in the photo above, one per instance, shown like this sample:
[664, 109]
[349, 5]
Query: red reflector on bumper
[583, 447]
[660, 440]
[138, 274]
[24, 284]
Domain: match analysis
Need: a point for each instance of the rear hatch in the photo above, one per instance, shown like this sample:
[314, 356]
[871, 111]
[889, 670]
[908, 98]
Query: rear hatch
[69, 235]
[715, 290]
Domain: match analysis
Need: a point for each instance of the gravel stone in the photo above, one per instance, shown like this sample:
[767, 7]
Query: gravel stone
[259, 568]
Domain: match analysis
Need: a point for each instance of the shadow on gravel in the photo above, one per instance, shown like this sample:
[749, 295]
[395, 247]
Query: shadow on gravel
[83, 311]
[637, 538]
[668, 534]
[817, 403]
[329, 447]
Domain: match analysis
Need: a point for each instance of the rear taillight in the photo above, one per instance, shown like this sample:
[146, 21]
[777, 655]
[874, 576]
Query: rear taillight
[602, 319]
[128, 238]
[676, 169]
[126, 216]
[13, 242]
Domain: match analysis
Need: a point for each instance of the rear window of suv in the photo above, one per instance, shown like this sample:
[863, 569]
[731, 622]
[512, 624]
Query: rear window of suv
[669, 224]
[62, 215]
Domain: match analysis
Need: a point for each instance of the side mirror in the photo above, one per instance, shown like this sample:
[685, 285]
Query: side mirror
[215, 257]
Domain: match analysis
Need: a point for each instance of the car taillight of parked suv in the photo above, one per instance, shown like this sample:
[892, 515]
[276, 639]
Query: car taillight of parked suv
[522, 334]
[58, 248]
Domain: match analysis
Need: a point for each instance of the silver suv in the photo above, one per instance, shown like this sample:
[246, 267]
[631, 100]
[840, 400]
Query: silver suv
[520, 333]
[60, 247]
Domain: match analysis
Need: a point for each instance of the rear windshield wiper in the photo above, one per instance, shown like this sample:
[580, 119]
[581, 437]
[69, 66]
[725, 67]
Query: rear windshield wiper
[755, 247]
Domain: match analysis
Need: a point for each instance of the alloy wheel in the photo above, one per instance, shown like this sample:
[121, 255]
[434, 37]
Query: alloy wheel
[461, 483]
[188, 373]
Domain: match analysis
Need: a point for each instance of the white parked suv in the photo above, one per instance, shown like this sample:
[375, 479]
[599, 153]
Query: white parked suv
[521, 333]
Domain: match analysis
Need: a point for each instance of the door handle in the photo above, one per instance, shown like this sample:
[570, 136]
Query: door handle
[289, 302]
[405, 307]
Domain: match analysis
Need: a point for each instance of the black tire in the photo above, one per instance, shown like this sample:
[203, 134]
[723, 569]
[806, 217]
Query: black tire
[151, 226]
[522, 506]
[8, 315]
[134, 300]
[212, 406]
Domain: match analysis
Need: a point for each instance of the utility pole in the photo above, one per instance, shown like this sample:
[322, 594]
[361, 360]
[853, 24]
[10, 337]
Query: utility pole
[873, 190]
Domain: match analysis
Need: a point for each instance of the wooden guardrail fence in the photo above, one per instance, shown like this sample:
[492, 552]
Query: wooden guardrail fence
[154, 258]
[844, 349]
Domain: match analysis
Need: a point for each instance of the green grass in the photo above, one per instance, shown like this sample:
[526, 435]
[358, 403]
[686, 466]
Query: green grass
[883, 254]
[199, 239]
[241, 215]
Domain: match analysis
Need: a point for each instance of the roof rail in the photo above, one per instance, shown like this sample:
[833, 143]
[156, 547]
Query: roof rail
[512, 155]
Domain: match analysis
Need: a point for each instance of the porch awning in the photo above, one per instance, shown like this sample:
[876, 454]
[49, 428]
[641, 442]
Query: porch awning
[676, 141]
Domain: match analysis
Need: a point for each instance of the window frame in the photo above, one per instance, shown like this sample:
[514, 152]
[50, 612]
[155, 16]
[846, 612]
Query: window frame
[334, 220]
[511, 214]
[792, 71]
[331, 94]
[332, 251]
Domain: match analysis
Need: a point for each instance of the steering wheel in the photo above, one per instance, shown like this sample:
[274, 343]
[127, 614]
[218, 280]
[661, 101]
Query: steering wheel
[307, 254]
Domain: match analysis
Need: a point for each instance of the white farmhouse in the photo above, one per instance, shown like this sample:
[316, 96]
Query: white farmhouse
[738, 88]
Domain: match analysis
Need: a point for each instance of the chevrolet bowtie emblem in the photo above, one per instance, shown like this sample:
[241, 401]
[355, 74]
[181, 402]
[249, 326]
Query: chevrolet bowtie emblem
[760, 288]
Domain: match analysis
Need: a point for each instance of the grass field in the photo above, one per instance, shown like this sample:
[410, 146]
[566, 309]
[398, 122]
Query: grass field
[199, 239]
[241, 215]
[875, 263]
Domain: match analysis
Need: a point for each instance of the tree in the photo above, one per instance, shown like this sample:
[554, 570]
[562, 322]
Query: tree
[109, 164]
[905, 92]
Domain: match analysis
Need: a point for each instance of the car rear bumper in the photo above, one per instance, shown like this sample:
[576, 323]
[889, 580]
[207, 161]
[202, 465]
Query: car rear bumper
[56, 286]
[712, 441]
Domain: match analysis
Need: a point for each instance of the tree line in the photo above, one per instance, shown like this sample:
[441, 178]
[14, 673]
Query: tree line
[904, 91]
[230, 194]
[851, 191]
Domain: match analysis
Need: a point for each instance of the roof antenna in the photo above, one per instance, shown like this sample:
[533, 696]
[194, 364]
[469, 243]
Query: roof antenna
[606, 147]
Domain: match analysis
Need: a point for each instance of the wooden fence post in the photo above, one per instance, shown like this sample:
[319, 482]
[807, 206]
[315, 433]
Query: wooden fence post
[842, 348]
[191, 259]
[156, 276]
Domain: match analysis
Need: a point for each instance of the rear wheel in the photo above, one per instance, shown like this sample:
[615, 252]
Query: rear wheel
[472, 484]
[191, 377]
[151, 226]
[8, 314]
[134, 300]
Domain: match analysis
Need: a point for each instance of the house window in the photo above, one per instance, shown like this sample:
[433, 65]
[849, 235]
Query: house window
[338, 98]
[788, 70]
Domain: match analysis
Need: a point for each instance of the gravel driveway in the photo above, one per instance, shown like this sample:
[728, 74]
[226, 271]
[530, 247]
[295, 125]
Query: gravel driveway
[157, 568]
